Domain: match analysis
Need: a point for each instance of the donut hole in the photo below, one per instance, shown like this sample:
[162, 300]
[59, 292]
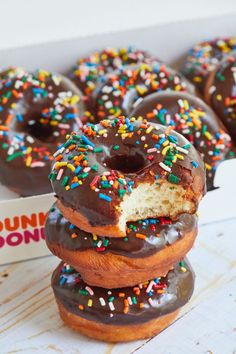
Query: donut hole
[34, 128]
[42, 132]
[126, 163]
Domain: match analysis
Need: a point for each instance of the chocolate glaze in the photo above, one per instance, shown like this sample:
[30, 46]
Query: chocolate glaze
[92, 69]
[159, 234]
[204, 57]
[132, 155]
[176, 287]
[192, 118]
[223, 93]
[37, 110]
[123, 89]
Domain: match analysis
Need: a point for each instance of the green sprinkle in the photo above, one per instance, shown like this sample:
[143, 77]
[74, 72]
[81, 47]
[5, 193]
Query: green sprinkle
[94, 168]
[173, 179]
[96, 150]
[52, 176]
[111, 298]
[83, 292]
[105, 242]
[15, 155]
[116, 147]
[65, 181]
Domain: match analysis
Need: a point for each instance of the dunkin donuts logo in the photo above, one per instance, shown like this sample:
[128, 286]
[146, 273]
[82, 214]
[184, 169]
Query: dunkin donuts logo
[24, 229]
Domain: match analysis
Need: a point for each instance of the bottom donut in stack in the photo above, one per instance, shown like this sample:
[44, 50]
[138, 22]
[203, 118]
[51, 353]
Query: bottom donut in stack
[122, 314]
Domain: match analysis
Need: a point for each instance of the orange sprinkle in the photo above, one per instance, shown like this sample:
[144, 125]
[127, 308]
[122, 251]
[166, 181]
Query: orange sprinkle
[74, 235]
[121, 294]
[155, 137]
[59, 157]
[3, 127]
[141, 305]
[81, 307]
[142, 236]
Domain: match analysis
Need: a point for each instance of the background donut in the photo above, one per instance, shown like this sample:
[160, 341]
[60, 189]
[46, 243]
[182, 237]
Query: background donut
[37, 111]
[191, 117]
[220, 92]
[204, 57]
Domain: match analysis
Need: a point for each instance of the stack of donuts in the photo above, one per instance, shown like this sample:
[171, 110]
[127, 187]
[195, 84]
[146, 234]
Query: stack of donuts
[127, 194]
[131, 145]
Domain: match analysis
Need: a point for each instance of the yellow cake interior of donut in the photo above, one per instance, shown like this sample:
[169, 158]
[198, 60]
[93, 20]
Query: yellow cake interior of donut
[163, 199]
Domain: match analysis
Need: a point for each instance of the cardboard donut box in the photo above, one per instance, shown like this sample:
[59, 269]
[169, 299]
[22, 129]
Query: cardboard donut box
[22, 219]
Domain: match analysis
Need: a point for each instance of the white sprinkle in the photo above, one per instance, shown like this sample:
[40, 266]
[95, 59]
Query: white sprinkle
[149, 288]
[184, 151]
[129, 300]
[166, 168]
[111, 305]
[151, 301]
[30, 139]
[102, 301]
[212, 90]
[58, 152]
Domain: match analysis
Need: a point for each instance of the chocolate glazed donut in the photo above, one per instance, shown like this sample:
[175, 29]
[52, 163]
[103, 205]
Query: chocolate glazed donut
[126, 170]
[220, 92]
[90, 70]
[191, 117]
[151, 246]
[129, 313]
[123, 89]
[37, 111]
[204, 57]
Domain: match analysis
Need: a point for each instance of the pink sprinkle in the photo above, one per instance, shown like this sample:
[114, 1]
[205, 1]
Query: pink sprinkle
[78, 121]
[149, 151]
[89, 290]
[60, 173]
[64, 126]
[37, 164]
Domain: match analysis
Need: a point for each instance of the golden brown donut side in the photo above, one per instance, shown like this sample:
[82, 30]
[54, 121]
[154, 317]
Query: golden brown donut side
[113, 333]
[112, 271]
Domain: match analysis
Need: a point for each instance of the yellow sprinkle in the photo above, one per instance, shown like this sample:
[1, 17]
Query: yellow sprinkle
[186, 105]
[74, 99]
[180, 157]
[90, 303]
[208, 167]
[67, 188]
[102, 132]
[149, 129]
[208, 135]
[28, 161]
[95, 237]
[183, 269]
[60, 164]
[164, 151]
[71, 167]
[166, 143]
[218, 97]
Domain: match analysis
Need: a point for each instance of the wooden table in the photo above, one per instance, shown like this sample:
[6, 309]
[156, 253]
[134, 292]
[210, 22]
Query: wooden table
[29, 321]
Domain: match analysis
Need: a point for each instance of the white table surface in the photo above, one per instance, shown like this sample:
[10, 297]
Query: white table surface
[29, 321]
[26, 22]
